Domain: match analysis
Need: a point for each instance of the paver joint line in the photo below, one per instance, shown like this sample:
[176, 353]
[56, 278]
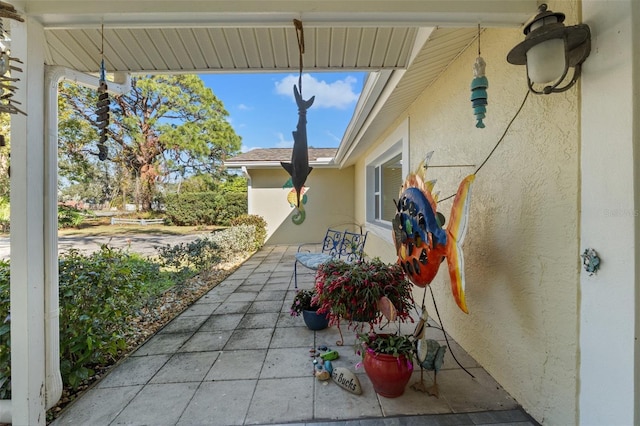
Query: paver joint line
[259, 374]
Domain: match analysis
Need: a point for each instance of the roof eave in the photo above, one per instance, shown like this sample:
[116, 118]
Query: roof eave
[376, 91]
[275, 164]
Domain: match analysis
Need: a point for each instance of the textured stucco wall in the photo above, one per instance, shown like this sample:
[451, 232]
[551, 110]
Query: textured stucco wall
[326, 206]
[521, 250]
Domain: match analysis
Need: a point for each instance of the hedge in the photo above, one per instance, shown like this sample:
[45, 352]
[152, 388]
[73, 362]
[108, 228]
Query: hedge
[204, 208]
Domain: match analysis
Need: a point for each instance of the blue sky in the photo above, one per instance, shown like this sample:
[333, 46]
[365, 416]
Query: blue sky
[263, 112]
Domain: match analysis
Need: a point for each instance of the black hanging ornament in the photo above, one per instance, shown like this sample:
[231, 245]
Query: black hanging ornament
[102, 108]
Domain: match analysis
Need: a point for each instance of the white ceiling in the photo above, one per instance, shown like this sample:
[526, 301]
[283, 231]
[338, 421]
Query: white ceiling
[251, 35]
[229, 49]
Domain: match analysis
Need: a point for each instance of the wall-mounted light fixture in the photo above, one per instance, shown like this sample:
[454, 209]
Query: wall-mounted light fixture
[550, 49]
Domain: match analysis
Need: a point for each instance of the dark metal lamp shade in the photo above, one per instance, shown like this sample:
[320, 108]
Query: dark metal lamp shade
[547, 28]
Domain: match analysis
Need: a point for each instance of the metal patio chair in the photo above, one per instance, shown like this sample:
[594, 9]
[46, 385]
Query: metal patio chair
[344, 245]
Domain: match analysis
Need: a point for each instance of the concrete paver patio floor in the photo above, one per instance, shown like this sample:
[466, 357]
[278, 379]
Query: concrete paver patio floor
[237, 357]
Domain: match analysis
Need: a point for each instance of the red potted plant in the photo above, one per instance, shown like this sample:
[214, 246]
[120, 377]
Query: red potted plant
[388, 361]
[353, 292]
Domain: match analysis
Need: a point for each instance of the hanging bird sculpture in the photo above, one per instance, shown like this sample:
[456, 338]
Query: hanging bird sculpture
[299, 168]
[421, 242]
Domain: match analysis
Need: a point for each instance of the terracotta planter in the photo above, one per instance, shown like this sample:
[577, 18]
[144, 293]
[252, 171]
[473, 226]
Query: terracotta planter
[314, 320]
[388, 374]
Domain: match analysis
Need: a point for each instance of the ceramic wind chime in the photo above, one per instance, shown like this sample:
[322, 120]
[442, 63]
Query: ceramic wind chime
[479, 86]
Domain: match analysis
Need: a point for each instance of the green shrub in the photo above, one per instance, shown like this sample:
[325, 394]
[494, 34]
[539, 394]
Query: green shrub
[204, 208]
[186, 259]
[102, 291]
[255, 220]
[71, 217]
[235, 204]
[98, 295]
[237, 239]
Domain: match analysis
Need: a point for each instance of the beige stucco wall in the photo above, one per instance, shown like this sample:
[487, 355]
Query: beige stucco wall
[329, 203]
[521, 250]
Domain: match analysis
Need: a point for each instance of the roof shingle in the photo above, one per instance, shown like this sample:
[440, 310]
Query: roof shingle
[280, 154]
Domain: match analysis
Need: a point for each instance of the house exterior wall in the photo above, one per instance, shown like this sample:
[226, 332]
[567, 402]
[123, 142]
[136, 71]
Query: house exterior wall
[521, 250]
[329, 203]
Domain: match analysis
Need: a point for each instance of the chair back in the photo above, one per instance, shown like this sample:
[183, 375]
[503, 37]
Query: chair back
[352, 246]
[331, 243]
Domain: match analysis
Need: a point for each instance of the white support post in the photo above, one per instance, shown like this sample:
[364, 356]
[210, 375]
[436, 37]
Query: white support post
[28, 229]
[609, 385]
[53, 388]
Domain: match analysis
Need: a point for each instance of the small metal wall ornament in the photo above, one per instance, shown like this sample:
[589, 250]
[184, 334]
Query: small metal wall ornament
[292, 198]
[590, 261]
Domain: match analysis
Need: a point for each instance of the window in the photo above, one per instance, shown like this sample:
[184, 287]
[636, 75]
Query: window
[385, 172]
[388, 179]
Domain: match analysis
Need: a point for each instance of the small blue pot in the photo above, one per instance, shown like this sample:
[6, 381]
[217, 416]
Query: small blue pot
[315, 321]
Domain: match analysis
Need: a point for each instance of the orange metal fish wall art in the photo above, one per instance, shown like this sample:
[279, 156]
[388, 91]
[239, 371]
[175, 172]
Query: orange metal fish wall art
[421, 242]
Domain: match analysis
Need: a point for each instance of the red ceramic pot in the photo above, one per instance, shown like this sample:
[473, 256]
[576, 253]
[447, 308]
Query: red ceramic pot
[388, 374]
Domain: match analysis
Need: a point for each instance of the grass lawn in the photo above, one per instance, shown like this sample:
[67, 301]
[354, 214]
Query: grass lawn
[102, 227]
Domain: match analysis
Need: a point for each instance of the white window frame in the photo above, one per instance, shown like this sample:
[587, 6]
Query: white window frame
[396, 143]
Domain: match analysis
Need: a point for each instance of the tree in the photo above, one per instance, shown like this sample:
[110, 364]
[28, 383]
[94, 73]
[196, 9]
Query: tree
[204, 183]
[165, 128]
[234, 184]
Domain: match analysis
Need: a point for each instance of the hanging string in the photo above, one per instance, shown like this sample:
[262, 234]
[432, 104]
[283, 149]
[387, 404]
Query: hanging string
[479, 39]
[423, 307]
[102, 39]
[300, 36]
[103, 72]
[503, 134]
[446, 339]
[497, 143]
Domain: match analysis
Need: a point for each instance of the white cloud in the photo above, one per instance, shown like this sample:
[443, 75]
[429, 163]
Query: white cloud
[243, 107]
[338, 94]
[282, 142]
[245, 148]
[333, 137]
